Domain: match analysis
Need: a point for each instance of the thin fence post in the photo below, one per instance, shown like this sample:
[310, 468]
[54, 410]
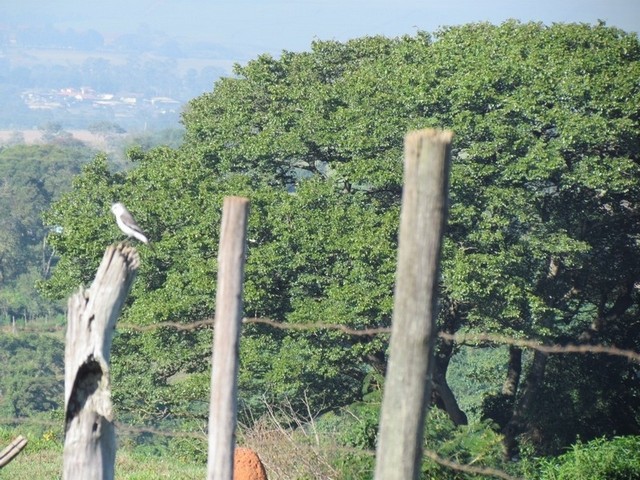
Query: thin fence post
[89, 443]
[228, 321]
[408, 385]
[12, 450]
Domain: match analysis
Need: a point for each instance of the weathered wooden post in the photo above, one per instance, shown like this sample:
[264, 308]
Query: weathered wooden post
[12, 450]
[407, 385]
[228, 321]
[89, 443]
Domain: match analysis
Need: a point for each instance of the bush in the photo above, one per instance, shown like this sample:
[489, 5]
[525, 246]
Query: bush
[355, 429]
[476, 445]
[600, 459]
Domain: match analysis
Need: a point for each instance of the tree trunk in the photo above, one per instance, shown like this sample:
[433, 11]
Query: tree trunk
[514, 369]
[518, 422]
[623, 302]
[445, 398]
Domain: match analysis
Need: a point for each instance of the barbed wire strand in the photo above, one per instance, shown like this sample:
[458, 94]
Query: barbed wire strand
[467, 468]
[465, 338]
[459, 338]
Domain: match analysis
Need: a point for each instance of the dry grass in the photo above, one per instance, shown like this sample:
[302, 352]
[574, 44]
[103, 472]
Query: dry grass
[290, 447]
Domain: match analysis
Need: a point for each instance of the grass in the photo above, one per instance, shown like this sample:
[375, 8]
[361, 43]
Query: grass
[46, 464]
[39, 465]
[290, 447]
[285, 455]
[132, 467]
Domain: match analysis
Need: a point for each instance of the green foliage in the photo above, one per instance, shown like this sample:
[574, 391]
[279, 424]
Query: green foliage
[41, 458]
[476, 444]
[188, 450]
[355, 465]
[32, 378]
[31, 178]
[76, 228]
[104, 127]
[472, 376]
[171, 137]
[40, 438]
[599, 398]
[600, 459]
[356, 428]
[543, 230]
[364, 428]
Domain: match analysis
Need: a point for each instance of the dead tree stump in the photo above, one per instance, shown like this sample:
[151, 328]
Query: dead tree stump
[89, 444]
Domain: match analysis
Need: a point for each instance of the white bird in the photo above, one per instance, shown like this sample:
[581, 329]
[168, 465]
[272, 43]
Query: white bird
[127, 224]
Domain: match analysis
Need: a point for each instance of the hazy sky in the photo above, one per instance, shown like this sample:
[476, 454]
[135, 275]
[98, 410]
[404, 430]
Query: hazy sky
[255, 26]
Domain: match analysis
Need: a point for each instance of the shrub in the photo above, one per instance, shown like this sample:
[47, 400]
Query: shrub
[599, 459]
[475, 445]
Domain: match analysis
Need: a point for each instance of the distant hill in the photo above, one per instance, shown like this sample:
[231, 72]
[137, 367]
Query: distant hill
[35, 137]
[114, 142]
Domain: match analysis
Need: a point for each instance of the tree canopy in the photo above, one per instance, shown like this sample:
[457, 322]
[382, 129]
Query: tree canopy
[31, 178]
[542, 239]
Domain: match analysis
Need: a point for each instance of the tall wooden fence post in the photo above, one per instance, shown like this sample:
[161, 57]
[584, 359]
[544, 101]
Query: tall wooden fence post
[228, 321]
[89, 443]
[408, 386]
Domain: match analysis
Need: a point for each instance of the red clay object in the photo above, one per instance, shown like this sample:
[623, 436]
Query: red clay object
[247, 465]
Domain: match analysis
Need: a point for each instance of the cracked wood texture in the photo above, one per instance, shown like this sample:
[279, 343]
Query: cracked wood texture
[226, 340]
[407, 385]
[89, 444]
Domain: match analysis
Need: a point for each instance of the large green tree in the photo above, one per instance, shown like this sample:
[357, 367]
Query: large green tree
[542, 239]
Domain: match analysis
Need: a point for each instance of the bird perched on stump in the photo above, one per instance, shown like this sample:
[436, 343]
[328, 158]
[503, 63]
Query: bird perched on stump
[127, 224]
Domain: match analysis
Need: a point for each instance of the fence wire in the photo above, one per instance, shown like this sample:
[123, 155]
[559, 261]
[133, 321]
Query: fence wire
[459, 338]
